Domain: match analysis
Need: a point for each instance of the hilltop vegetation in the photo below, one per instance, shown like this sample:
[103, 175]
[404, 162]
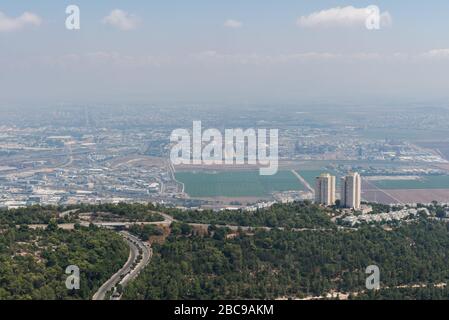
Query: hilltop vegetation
[32, 215]
[293, 215]
[274, 264]
[33, 262]
[43, 215]
[123, 211]
[217, 263]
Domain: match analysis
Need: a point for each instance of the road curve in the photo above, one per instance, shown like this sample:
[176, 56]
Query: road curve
[129, 271]
[147, 253]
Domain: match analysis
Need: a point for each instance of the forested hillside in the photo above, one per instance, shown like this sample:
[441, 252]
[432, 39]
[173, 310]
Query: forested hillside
[33, 262]
[302, 254]
[293, 215]
[285, 264]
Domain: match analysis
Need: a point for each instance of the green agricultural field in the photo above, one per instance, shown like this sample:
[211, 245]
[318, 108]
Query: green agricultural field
[237, 183]
[429, 182]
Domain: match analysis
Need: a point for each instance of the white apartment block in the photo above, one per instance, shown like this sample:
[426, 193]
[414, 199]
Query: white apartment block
[325, 189]
[351, 190]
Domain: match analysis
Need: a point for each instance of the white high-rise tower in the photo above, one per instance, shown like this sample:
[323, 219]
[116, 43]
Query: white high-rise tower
[325, 189]
[351, 190]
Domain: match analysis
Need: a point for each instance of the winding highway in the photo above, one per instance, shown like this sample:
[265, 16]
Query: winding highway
[135, 264]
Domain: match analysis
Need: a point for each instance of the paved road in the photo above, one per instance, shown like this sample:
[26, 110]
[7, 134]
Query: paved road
[123, 224]
[168, 220]
[147, 253]
[251, 229]
[129, 271]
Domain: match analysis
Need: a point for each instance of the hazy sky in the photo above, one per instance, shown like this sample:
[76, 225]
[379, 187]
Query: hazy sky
[233, 51]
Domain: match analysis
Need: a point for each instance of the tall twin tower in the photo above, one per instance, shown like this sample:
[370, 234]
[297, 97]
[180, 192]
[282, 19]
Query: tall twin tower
[350, 194]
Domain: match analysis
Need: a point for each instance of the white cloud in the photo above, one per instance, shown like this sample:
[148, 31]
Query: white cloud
[343, 17]
[437, 53]
[12, 24]
[234, 24]
[122, 20]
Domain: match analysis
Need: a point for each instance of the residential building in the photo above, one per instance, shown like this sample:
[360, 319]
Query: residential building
[351, 190]
[325, 189]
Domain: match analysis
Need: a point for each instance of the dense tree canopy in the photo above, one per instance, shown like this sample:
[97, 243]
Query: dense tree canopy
[294, 215]
[278, 263]
[308, 257]
[33, 262]
[132, 212]
[31, 215]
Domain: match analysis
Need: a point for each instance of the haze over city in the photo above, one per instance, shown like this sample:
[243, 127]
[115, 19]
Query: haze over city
[223, 52]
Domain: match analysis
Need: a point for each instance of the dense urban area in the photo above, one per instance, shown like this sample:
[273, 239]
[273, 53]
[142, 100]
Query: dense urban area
[94, 188]
[73, 155]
